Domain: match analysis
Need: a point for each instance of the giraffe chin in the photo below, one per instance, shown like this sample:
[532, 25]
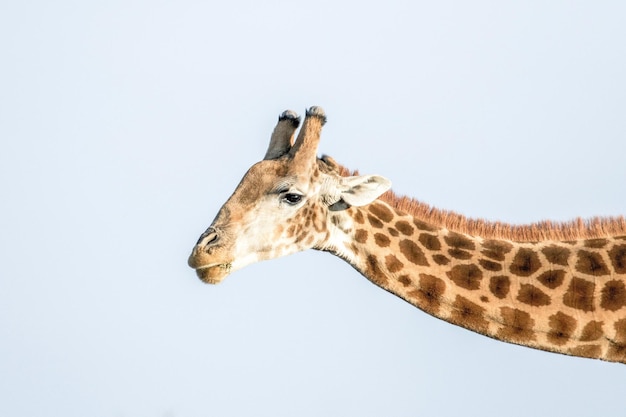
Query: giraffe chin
[213, 274]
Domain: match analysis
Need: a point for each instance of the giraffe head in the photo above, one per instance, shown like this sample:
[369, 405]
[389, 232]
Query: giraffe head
[283, 204]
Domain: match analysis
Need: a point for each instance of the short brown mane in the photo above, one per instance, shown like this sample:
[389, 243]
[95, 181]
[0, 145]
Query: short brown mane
[596, 227]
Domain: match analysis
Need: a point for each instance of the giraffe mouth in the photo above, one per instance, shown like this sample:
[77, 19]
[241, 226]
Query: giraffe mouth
[214, 273]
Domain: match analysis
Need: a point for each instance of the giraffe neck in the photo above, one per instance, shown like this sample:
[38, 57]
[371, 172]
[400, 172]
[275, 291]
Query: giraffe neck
[561, 296]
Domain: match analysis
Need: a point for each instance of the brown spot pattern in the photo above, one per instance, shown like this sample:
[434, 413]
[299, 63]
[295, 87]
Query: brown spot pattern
[490, 265]
[353, 246]
[441, 260]
[458, 241]
[596, 243]
[405, 228]
[586, 351]
[424, 226]
[413, 253]
[430, 293]
[620, 331]
[393, 264]
[468, 314]
[562, 327]
[430, 242]
[617, 349]
[592, 331]
[591, 263]
[552, 279]
[374, 273]
[466, 276]
[381, 240]
[393, 232]
[613, 295]
[361, 236]
[405, 280]
[300, 237]
[500, 286]
[517, 325]
[579, 295]
[533, 296]
[618, 258]
[374, 221]
[556, 254]
[381, 211]
[358, 217]
[525, 263]
[459, 254]
[319, 220]
[496, 249]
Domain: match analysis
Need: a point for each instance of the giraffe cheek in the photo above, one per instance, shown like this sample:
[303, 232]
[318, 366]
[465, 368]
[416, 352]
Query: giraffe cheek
[309, 242]
[267, 251]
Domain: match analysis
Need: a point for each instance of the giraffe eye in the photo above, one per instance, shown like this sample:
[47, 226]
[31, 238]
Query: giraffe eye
[292, 199]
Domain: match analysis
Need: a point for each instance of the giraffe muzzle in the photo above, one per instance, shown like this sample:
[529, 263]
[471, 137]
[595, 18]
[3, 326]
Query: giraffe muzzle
[205, 258]
[213, 274]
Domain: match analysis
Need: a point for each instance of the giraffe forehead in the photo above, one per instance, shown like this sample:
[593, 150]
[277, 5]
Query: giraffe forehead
[268, 176]
[276, 175]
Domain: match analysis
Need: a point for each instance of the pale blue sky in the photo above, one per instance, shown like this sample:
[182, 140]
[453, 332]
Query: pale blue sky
[124, 125]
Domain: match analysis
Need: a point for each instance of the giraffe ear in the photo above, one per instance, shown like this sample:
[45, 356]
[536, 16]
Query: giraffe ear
[363, 189]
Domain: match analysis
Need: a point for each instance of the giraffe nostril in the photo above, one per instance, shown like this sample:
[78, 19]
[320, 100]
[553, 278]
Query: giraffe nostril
[208, 238]
[211, 239]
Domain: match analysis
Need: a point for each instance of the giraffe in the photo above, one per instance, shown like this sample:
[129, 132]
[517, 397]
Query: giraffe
[558, 287]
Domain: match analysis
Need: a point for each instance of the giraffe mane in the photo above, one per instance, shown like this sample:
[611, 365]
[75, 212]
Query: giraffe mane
[579, 228]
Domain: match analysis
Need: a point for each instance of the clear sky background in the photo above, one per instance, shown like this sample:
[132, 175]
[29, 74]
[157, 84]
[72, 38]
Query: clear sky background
[124, 125]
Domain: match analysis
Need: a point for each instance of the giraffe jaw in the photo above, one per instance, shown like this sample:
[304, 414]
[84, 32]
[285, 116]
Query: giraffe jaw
[213, 273]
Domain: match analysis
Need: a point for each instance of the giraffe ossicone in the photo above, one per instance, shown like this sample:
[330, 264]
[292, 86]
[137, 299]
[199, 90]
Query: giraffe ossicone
[559, 287]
